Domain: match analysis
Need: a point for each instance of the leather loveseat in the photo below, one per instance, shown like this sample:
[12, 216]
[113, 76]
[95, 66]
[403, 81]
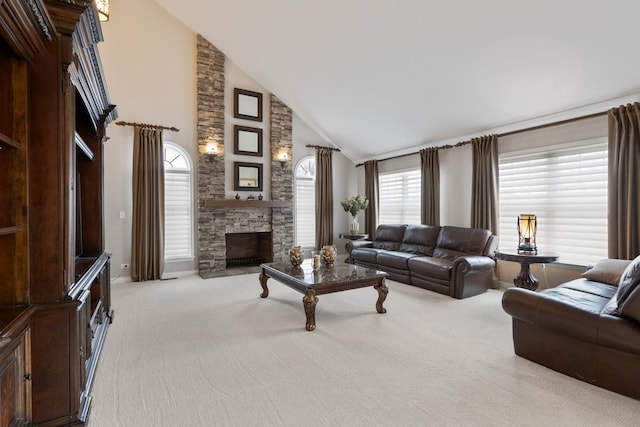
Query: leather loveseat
[586, 328]
[454, 261]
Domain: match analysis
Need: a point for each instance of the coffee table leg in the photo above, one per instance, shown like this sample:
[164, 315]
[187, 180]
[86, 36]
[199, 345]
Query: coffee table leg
[263, 283]
[309, 301]
[382, 295]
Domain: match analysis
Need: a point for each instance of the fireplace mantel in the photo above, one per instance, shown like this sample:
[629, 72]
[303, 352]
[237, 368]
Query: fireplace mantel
[233, 203]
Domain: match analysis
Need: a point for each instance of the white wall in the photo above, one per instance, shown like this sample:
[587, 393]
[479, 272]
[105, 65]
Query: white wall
[455, 182]
[149, 60]
[149, 64]
[344, 175]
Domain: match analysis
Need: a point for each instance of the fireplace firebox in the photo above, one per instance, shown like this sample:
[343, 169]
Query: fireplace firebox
[247, 249]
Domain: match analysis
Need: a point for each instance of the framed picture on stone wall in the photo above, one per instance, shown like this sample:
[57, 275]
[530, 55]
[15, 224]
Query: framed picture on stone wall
[247, 105]
[247, 141]
[247, 176]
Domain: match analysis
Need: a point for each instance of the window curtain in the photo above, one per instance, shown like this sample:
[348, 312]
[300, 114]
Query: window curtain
[430, 188]
[624, 181]
[324, 197]
[484, 193]
[372, 193]
[147, 235]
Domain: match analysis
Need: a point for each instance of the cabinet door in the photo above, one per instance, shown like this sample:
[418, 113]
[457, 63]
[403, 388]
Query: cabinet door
[15, 383]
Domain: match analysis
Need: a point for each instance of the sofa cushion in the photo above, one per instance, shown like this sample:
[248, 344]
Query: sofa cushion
[396, 260]
[454, 242]
[367, 255]
[420, 239]
[628, 292]
[607, 271]
[388, 236]
[431, 267]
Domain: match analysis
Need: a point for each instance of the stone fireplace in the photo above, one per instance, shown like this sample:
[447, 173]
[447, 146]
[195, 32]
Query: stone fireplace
[219, 217]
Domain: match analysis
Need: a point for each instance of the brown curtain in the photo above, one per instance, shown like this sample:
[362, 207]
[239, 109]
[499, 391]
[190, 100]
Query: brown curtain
[430, 190]
[484, 194]
[324, 197]
[147, 235]
[372, 193]
[624, 181]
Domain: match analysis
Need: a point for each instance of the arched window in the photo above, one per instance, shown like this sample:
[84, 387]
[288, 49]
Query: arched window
[178, 205]
[305, 192]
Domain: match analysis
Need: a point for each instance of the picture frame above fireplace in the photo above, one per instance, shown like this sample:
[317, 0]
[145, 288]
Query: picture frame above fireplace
[247, 105]
[247, 176]
[247, 141]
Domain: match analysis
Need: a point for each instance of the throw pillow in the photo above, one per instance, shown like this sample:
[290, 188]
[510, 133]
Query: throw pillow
[628, 284]
[607, 271]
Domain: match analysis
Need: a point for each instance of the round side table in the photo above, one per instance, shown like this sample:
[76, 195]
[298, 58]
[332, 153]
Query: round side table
[525, 279]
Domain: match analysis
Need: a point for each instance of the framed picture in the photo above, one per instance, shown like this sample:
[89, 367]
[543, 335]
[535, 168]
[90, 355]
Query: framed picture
[247, 141]
[247, 105]
[247, 176]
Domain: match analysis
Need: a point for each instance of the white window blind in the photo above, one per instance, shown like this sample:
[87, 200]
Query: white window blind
[399, 197]
[178, 236]
[305, 203]
[566, 188]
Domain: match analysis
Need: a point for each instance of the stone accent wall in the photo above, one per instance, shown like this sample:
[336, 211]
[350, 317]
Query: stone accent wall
[210, 98]
[214, 223]
[281, 177]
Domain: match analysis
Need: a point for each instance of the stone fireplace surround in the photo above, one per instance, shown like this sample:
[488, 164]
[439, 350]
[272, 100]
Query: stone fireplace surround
[218, 217]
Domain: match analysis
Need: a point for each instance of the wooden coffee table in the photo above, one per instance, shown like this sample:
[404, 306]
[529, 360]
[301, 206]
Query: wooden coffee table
[325, 280]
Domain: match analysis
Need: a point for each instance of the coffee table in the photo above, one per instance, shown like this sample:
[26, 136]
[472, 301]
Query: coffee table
[325, 280]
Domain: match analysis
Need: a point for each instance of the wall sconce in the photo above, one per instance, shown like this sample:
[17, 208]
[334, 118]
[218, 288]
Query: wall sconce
[103, 10]
[527, 227]
[283, 159]
[211, 150]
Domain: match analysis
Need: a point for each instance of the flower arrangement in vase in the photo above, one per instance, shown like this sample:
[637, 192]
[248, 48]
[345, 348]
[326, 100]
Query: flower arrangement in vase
[354, 205]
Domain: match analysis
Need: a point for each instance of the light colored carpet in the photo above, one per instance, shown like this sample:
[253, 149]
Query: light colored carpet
[194, 352]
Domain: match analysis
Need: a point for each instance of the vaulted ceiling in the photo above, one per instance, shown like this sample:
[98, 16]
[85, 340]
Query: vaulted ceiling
[382, 77]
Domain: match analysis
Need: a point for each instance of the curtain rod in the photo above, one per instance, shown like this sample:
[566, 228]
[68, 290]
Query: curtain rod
[501, 135]
[322, 146]
[148, 126]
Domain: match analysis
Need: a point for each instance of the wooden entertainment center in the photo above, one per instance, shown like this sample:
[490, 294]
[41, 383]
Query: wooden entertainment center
[54, 273]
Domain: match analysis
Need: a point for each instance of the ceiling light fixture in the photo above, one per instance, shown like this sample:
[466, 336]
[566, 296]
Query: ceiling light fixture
[103, 10]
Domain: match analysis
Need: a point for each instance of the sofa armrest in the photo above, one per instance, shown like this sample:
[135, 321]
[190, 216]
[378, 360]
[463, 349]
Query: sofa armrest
[471, 263]
[357, 244]
[471, 275]
[554, 311]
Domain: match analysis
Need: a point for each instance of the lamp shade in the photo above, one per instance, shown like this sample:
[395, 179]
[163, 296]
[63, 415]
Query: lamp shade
[527, 227]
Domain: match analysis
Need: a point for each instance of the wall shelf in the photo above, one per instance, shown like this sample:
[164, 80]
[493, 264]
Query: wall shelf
[233, 203]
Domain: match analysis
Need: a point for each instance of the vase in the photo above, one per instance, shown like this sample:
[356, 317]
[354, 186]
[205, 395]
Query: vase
[296, 255]
[329, 253]
[354, 227]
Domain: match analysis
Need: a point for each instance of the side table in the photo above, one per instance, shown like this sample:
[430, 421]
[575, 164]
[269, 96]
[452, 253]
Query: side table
[350, 236]
[525, 279]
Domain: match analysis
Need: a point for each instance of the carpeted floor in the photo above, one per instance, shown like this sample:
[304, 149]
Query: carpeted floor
[194, 352]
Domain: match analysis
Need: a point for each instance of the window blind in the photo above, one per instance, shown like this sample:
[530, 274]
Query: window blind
[178, 227]
[566, 188]
[305, 212]
[399, 197]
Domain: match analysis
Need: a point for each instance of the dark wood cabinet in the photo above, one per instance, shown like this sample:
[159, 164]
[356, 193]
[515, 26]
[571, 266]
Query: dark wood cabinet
[55, 306]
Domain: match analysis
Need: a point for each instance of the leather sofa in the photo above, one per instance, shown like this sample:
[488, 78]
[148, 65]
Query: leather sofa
[454, 261]
[586, 328]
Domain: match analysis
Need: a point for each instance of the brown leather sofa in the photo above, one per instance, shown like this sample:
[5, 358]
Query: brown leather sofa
[454, 261]
[585, 328]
